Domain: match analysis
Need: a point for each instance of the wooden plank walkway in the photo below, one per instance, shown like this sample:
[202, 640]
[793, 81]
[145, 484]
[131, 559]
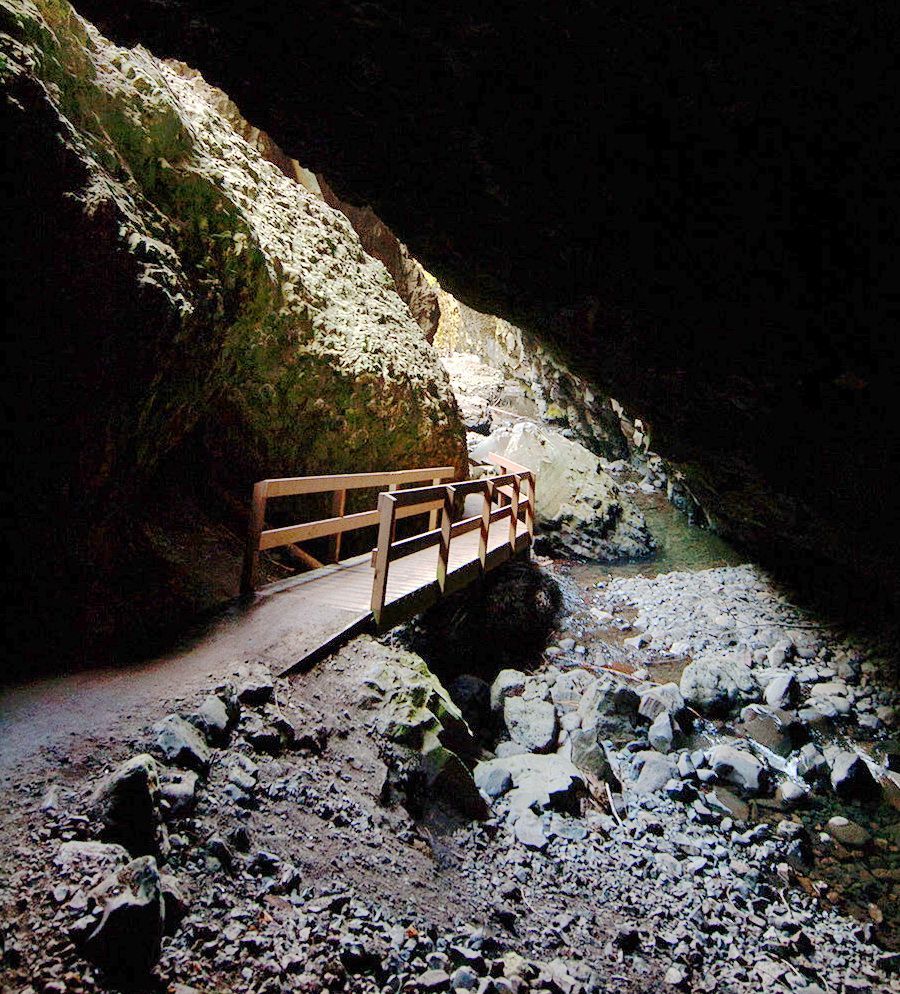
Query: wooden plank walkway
[401, 577]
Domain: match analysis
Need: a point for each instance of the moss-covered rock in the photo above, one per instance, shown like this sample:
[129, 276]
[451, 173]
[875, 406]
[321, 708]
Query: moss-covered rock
[187, 319]
[412, 709]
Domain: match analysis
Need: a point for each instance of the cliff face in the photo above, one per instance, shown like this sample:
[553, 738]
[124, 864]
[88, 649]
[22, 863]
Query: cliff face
[698, 209]
[182, 319]
[495, 364]
[413, 285]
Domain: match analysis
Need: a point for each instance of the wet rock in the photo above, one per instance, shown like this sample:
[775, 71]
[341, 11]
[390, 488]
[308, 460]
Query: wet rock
[778, 731]
[666, 697]
[531, 722]
[851, 778]
[782, 691]
[714, 686]
[790, 794]
[126, 942]
[507, 683]
[725, 800]
[128, 805]
[738, 767]
[811, 764]
[847, 832]
[179, 743]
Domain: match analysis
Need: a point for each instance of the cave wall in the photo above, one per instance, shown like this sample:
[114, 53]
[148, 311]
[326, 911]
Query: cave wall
[182, 319]
[695, 203]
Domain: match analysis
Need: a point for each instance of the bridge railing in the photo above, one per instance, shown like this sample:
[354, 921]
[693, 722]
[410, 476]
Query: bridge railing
[509, 489]
[260, 538]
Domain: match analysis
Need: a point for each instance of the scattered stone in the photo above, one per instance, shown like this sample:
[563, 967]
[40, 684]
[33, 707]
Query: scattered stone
[507, 683]
[178, 793]
[256, 687]
[656, 771]
[211, 718]
[847, 832]
[666, 697]
[661, 734]
[738, 767]
[179, 743]
[531, 722]
[782, 691]
[128, 805]
[126, 942]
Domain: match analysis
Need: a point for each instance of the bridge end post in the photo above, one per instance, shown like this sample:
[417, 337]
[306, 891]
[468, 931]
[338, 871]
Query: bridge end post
[254, 530]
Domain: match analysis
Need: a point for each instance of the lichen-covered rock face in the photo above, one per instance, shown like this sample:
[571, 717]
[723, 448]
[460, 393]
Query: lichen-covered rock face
[186, 319]
[418, 721]
[580, 509]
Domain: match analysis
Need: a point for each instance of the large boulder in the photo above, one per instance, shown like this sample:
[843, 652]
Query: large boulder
[715, 685]
[411, 709]
[127, 804]
[740, 768]
[580, 509]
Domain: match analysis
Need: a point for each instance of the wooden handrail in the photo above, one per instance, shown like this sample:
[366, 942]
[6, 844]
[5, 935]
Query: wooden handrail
[260, 538]
[392, 505]
[292, 485]
[503, 497]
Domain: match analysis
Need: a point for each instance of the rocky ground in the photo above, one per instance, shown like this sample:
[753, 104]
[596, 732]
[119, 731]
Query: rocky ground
[657, 807]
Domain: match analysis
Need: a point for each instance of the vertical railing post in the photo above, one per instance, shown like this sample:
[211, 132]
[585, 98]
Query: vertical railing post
[387, 509]
[514, 514]
[433, 515]
[254, 530]
[446, 533]
[530, 507]
[485, 524]
[338, 506]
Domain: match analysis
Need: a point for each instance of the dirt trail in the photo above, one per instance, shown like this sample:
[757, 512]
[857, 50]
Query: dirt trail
[44, 713]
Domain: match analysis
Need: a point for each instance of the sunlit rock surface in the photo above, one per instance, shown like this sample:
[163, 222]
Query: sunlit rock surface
[580, 508]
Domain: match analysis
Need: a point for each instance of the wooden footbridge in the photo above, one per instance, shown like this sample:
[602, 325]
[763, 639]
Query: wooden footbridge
[443, 549]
